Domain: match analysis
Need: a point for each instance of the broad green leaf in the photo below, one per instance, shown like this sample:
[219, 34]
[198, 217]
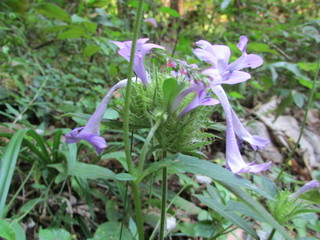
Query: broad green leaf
[7, 166]
[90, 171]
[269, 186]
[291, 67]
[124, 177]
[184, 163]
[298, 99]
[305, 82]
[26, 208]
[232, 217]
[260, 47]
[286, 102]
[170, 11]
[74, 32]
[54, 234]
[242, 208]
[258, 208]
[90, 50]
[53, 11]
[111, 231]
[6, 230]
[236, 95]
[18, 230]
[135, 4]
[307, 66]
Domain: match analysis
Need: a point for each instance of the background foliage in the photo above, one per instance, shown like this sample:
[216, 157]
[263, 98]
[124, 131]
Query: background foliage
[56, 58]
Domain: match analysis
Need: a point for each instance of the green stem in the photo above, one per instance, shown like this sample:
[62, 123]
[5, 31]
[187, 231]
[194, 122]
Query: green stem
[271, 234]
[313, 90]
[146, 144]
[163, 200]
[135, 187]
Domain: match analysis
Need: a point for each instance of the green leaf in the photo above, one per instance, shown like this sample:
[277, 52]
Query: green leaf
[7, 166]
[242, 208]
[286, 102]
[305, 82]
[111, 231]
[232, 217]
[258, 208]
[54, 234]
[184, 163]
[73, 33]
[6, 230]
[307, 66]
[90, 50]
[269, 186]
[18, 230]
[298, 99]
[90, 171]
[260, 47]
[53, 11]
[170, 11]
[26, 208]
[124, 177]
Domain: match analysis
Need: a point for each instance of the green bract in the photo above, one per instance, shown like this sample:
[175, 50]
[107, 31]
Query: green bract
[153, 103]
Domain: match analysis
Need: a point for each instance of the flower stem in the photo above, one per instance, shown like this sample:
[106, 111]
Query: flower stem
[163, 200]
[310, 98]
[144, 149]
[271, 234]
[135, 187]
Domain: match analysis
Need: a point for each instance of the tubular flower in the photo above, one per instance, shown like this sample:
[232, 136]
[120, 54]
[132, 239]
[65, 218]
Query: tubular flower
[202, 99]
[221, 72]
[151, 21]
[91, 131]
[235, 161]
[142, 49]
[218, 56]
[305, 188]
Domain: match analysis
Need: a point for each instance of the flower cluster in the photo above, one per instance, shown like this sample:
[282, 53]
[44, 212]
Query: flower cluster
[219, 72]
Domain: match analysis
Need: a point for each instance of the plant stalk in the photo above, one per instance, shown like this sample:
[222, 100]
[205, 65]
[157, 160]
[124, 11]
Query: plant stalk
[135, 188]
[144, 149]
[163, 202]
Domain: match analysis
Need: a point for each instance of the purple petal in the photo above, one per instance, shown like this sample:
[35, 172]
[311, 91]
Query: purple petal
[217, 55]
[200, 100]
[181, 96]
[205, 56]
[246, 61]
[306, 187]
[151, 21]
[148, 46]
[142, 49]
[140, 71]
[233, 77]
[243, 134]
[242, 44]
[234, 159]
[91, 131]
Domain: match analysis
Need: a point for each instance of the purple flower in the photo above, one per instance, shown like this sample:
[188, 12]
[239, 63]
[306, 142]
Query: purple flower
[218, 56]
[91, 131]
[306, 187]
[235, 161]
[142, 49]
[221, 72]
[151, 21]
[202, 99]
[243, 134]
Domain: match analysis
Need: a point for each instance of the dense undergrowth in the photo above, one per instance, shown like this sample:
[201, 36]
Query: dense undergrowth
[57, 62]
